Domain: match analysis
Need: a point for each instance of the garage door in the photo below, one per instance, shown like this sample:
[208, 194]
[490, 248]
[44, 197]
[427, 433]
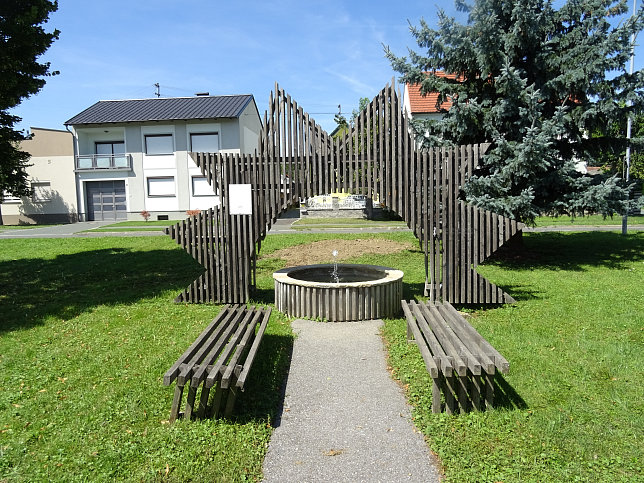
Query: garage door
[106, 200]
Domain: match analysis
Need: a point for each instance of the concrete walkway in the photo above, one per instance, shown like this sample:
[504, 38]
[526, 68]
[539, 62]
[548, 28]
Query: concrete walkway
[344, 418]
[54, 231]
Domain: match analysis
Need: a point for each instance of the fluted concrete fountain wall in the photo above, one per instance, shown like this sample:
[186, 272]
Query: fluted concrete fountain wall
[308, 292]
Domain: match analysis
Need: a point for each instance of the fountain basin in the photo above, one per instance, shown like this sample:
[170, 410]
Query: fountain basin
[363, 292]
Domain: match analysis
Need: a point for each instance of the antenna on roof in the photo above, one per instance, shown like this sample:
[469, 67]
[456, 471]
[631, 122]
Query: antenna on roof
[158, 91]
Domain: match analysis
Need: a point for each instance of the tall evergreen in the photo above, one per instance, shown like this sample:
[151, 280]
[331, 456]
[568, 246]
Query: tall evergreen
[534, 81]
[22, 41]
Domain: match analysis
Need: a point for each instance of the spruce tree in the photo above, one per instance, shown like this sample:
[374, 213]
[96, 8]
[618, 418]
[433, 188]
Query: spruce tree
[534, 81]
[22, 41]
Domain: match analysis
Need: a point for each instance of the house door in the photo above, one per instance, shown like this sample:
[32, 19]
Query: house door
[106, 200]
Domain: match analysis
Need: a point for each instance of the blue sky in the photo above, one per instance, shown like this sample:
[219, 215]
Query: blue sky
[324, 54]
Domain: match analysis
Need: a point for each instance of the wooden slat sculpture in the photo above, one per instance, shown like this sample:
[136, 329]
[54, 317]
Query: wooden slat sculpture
[377, 157]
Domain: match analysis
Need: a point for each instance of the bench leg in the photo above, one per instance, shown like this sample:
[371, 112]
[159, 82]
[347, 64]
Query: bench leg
[450, 395]
[230, 402]
[190, 402]
[203, 401]
[216, 402]
[489, 390]
[176, 401]
[436, 395]
[476, 392]
[462, 393]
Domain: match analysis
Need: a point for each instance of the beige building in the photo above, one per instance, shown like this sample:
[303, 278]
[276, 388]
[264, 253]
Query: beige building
[52, 179]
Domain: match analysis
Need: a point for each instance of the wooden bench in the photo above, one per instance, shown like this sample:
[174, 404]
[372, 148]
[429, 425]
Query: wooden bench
[460, 361]
[222, 354]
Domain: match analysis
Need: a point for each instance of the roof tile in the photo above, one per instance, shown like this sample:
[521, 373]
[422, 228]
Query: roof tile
[427, 104]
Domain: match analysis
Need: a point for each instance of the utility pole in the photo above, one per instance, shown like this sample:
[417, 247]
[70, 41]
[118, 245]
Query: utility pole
[158, 91]
[629, 122]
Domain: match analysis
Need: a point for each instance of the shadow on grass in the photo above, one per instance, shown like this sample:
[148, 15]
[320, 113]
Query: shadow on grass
[505, 396]
[265, 390]
[34, 289]
[263, 296]
[571, 251]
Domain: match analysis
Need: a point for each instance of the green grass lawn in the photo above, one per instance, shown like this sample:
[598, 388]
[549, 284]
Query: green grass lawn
[88, 327]
[125, 226]
[22, 227]
[574, 341]
[591, 220]
[142, 223]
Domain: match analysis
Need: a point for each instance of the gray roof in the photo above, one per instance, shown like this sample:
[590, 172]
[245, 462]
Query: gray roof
[162, 109]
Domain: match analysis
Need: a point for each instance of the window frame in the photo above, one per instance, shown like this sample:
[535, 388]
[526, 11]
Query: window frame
[205, 133]
[43, 184]
[192, 187]
[111, 143]
[159, 178]
[160, 135]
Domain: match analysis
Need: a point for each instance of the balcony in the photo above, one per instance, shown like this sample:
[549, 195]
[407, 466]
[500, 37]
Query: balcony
[98, 162]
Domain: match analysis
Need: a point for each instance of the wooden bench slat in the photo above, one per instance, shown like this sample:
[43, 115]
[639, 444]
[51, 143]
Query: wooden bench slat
[458, 326]
[212, 346]
[431, 366]
[444, 362]
[250, 357]
[172, 373]
[463, 347]
[240, 351]
[499, 361]
[434, 320]
[220, 366]
[216, 350]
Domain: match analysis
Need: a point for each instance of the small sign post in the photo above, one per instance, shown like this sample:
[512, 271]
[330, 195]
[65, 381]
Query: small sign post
[240, 199]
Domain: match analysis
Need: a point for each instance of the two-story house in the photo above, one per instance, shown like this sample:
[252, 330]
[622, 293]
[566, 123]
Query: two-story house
[131, 156]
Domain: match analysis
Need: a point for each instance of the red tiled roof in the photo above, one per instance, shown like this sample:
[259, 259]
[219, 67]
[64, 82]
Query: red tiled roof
[427, 104]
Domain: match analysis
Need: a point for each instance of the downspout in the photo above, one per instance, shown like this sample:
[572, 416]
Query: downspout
[76, 181]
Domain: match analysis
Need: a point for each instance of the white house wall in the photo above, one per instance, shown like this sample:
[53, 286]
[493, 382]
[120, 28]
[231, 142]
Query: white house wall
[250, 127]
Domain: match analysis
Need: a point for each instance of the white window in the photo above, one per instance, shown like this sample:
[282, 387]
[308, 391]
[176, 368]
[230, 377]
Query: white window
[110, 147]
[204, 142]
[159, 144]
[7, 198]
[162, 186]
[40, 191]
[200, 186]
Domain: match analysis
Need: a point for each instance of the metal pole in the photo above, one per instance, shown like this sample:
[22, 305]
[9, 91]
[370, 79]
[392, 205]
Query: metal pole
[627, 168]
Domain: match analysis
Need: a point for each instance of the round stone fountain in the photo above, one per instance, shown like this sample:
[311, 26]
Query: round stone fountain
[338, 292]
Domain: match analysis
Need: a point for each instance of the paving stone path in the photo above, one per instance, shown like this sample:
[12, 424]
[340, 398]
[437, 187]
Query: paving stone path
[344, 418]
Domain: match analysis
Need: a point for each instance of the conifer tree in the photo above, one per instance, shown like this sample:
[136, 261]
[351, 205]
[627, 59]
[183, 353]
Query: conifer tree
[22, 41]
[534, 81]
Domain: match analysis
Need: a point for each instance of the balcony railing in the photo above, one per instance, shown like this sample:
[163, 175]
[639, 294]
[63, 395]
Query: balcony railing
[88, 162]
